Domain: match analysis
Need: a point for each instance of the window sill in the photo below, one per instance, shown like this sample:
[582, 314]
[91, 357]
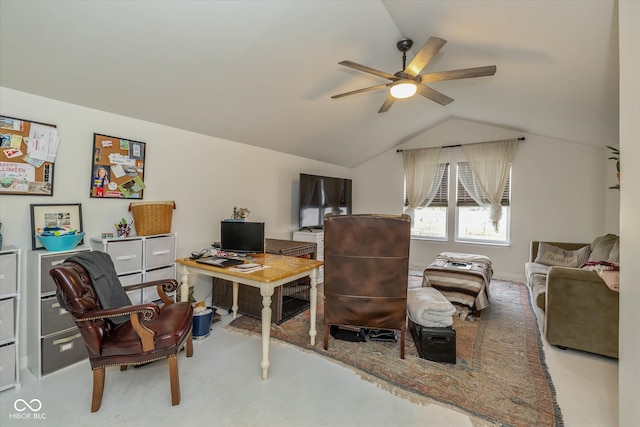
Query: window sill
[429, 238]
[482, 243]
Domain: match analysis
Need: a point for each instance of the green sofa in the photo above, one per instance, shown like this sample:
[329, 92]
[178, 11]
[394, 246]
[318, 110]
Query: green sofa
[575, 306]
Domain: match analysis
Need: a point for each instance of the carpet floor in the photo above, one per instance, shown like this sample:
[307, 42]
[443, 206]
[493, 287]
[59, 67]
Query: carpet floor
[500, 375]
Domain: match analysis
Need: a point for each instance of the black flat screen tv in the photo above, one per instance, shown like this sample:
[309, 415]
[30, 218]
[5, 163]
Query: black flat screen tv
[320, 195]
[242, 237]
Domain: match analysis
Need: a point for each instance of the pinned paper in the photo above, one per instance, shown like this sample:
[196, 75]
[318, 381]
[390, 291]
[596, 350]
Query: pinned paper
[43, 142]
[119, 159]
[12, 153]
[131, 187]
[16, 176]
[9, 123]
[16, 141]
[5, 140]
[117, 171]
[35, 162]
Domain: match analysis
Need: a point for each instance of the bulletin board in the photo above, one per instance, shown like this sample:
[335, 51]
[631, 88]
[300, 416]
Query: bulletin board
[118, 168]
[27, 155]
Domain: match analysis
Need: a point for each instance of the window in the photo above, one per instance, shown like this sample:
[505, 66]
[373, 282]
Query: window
[472, 220]
[430, 222]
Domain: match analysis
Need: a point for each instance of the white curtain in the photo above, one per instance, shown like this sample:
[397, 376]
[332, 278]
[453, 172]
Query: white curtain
[490, 163]
[422, 175]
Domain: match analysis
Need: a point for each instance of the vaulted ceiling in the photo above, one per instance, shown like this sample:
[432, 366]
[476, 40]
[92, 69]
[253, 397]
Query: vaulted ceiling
[262, 72]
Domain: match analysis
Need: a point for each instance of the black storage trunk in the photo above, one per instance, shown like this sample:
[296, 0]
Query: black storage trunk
[436, 344]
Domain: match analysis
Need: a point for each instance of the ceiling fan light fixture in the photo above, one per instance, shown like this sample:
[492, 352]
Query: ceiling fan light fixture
[403, 89]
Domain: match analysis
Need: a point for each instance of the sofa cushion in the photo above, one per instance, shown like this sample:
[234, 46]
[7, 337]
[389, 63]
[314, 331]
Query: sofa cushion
[536, 275]
[553, 255]
[602, 247]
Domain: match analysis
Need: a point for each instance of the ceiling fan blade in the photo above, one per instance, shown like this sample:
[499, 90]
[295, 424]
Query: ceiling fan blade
[368, 70]
[366, 89]
[387, 104]
[424, 55]
[466, 73]
[434, 95]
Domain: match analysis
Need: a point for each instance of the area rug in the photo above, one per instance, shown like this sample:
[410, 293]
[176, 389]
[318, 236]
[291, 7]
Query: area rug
[500, 377]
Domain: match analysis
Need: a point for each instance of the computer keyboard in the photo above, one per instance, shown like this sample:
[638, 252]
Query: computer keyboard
[220, 261]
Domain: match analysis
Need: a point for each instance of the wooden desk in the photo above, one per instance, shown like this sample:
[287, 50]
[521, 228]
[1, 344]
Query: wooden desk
[279, 271]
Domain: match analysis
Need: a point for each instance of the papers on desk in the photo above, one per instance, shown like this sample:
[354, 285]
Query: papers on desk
[247, 268]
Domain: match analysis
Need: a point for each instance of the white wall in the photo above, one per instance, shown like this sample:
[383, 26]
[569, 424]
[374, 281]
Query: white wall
[629, 377]
[558, 192]
[205, 176]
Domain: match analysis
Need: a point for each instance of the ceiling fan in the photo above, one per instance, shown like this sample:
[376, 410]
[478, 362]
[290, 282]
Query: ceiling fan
[409, 81]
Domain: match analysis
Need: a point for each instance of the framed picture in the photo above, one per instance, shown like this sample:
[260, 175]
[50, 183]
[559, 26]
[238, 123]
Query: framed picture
[62, 215]
[27, 155]
[118, 168]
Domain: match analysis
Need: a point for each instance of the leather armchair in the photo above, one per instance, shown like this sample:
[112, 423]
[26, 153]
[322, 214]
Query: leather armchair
[152, 332]
[366, 271]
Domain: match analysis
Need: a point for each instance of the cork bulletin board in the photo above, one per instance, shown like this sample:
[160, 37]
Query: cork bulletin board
[118, 168]
[27, 155]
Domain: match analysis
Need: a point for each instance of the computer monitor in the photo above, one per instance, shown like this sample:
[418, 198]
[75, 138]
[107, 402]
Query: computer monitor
[242, 237]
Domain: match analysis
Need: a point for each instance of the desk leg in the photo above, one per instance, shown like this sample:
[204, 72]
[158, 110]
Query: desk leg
[266, 292]
[313, 301]
[234, 304]
[184, 284]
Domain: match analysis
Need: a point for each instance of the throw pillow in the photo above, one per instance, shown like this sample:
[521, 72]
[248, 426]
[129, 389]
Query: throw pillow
[614, 255]
[553, 255]
[601, 247]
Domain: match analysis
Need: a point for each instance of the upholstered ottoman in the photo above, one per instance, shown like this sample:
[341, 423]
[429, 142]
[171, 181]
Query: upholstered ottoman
[462, 278]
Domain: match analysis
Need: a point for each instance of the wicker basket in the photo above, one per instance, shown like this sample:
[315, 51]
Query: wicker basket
[152, 217]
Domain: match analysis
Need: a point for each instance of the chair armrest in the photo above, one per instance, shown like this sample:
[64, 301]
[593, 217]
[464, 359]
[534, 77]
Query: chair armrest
[163, 287]
[581, 311]
[149, 312]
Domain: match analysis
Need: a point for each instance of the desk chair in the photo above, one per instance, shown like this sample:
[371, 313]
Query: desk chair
[151, 333]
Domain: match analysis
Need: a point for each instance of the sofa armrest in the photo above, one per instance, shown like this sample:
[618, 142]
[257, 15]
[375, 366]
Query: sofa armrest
[533, 247]
[581, 311]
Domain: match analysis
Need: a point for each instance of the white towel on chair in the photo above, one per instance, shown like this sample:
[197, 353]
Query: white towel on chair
[428, 307]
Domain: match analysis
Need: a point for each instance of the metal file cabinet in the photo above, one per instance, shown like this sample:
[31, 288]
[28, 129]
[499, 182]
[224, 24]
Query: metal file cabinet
[53, 340]
[10, 258]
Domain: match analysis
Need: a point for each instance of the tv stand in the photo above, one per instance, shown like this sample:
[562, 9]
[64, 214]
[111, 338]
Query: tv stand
[311, 229]
[315, 235]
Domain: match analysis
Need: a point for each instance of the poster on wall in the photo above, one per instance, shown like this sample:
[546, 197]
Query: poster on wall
[118, 168]
[27, 154]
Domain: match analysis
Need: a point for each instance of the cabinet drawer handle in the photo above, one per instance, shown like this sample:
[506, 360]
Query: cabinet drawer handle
[2, 276]
[54, 263]
[66, 340]
[125, 257]
[62, 311]
[166, 251]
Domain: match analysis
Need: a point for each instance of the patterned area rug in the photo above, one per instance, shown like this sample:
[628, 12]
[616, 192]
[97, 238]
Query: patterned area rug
[500, 377]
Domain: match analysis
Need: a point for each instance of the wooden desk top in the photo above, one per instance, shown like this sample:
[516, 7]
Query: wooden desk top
[279, 267]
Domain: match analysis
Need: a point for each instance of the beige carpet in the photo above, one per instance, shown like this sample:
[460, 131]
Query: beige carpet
[500, 376]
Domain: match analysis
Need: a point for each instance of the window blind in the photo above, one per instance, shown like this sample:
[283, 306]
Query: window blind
[441, 199]
[464, 199]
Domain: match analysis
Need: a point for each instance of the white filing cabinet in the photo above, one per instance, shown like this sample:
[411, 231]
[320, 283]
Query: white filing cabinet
[316, 236]
[10, 258]
[141, 259]
[53, 340]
